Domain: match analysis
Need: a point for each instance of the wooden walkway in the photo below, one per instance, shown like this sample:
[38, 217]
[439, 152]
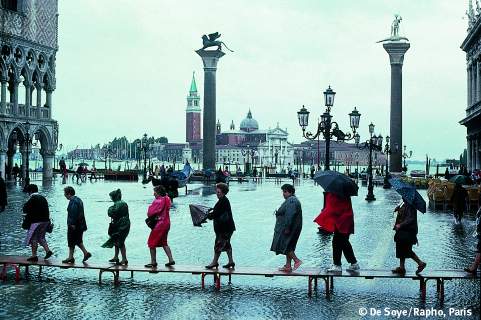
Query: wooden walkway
[312, 274]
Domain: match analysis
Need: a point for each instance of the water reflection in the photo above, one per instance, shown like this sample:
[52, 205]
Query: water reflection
[72, 293]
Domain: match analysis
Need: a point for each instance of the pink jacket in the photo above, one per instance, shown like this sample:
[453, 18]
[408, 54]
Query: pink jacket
[160, 207]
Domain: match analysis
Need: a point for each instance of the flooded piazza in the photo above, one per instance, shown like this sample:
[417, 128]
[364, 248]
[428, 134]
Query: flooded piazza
[76, 294]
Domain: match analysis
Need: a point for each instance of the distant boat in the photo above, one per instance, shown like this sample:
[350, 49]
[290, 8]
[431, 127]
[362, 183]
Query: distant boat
[172, 181]
[183, 175]
[418, 173]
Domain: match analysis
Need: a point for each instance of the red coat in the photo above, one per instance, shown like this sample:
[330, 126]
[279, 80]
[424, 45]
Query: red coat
[337, 215]
[158, 236]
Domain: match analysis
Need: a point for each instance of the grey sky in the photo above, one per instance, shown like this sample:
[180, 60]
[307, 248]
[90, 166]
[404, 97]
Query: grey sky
[124, 67]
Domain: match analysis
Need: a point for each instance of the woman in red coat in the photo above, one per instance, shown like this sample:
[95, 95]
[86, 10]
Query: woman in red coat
[337, 217]
[158, 236]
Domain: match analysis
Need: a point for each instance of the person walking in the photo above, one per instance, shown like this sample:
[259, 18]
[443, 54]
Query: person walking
[406, 227]
[473, 268]
[159, 210]
[459, 202]
[288, 228]
[15, 171]
[3, 194]
[36, 221]
[224, 227]
[337, 217]
[119, 227]
[76, 225]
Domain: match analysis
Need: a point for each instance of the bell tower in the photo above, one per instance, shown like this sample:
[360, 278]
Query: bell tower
[193, 114]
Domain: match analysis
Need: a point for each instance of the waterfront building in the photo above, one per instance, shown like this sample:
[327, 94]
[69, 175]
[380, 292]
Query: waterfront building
[472, 46]
[28, 46]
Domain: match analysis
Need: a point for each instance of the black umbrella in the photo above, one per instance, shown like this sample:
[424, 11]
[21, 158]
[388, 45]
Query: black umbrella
[335, 182]
[409, 193]
[460, 179]
[198, 213]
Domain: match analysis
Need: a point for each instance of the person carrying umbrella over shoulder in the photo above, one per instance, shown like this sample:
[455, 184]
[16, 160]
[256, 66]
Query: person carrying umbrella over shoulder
[337, 216]
[406, 225]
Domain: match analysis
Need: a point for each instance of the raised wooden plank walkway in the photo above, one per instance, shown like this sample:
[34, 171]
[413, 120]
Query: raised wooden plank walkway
[313, 274]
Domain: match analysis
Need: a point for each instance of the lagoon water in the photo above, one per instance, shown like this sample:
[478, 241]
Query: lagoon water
[75, 294]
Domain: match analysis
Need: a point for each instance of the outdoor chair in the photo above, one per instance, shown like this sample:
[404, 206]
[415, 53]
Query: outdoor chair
[439, 196]
[473, 198]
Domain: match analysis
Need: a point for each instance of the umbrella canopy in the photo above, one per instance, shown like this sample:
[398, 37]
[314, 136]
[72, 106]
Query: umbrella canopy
[335, 182]
[198, 213]
[83, 164]
[460, 179]
[409, 193]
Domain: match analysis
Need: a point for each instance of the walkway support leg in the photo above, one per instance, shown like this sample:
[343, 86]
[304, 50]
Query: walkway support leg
[202, 277]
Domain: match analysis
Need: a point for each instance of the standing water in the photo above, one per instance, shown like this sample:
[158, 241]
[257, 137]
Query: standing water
[75, 294]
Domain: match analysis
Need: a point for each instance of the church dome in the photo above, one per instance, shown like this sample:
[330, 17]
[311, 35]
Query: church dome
[249, 124]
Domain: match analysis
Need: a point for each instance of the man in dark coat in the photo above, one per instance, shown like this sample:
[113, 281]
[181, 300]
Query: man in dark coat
[3, 194]
[76, 225]
[288, 228]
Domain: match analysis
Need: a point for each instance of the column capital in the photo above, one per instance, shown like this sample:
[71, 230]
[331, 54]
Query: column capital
[210, 58]
[38, 86]
[396, 51]
[27, 83]
[47, 152]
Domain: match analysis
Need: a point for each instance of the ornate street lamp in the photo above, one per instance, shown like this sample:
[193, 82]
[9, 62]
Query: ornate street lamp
[144, 143]
[326, 126]
[387, 152]
[249, 152]
[374, 143]
[405, 156]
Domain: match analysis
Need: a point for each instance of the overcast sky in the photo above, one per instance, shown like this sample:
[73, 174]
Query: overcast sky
[124, 67]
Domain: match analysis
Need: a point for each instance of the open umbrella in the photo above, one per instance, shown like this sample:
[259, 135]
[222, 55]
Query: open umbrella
[198, 213]
[83, 164]
[460, 179]
[409, 193]
[335, 182]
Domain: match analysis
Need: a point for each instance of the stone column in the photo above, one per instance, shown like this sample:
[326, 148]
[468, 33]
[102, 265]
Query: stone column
[478, 80]
[49, 102]
[396, 51]
[47, 157]
[473, 83]
[468, 153]
[3, 101]
[23, 151]
[39, 87]
[10, 163]
[3, 158]
[477, 153]
[28, 97]
[468, 85]
[15, 96]
[210, 59]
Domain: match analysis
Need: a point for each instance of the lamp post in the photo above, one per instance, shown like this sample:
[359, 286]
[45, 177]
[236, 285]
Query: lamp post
[326, 126]
[405, 156]
[249, 152]
[387, 152]
[143, 146]
[374, 143]
[58, 149]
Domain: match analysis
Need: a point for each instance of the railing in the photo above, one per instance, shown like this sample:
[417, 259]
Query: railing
[44, 112]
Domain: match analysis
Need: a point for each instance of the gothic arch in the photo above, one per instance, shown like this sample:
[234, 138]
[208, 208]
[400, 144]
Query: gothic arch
[45, 138]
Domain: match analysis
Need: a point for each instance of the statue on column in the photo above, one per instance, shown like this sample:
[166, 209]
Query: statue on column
[395, 30]
[211, 41]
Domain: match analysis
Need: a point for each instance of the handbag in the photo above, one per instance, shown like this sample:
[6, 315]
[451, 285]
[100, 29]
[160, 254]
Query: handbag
[151, 221]
[49, 228]
[111, 228]
[26, 223]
